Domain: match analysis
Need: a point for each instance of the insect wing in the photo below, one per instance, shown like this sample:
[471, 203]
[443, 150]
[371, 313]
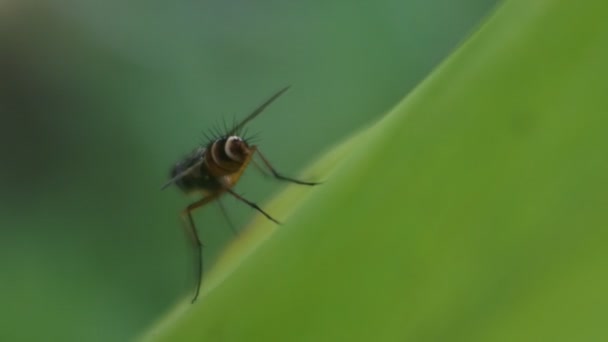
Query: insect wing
[194, 163]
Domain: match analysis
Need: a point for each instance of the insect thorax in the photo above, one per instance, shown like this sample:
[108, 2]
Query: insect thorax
[208, 168]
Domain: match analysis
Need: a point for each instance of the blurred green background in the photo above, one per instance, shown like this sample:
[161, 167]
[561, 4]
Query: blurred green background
[98, 99]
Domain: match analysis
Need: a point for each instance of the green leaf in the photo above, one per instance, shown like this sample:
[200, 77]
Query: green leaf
[476, 210]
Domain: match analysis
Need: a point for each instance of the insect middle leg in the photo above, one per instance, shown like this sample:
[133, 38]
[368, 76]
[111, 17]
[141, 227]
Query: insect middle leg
[227, 217]
[251, 204]
[193, 234]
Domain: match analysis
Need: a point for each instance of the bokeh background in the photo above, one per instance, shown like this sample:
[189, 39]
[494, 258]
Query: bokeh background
[99, 98]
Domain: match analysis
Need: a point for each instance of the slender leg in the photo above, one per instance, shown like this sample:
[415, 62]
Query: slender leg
[198, 246]
[280, 176]
[225, 213]
[262, 170]
[251, 204]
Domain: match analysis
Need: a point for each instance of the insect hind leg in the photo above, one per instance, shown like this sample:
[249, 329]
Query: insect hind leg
[196, 241]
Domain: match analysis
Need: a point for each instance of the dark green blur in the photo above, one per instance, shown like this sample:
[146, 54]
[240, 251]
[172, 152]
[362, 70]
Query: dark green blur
[98, 99]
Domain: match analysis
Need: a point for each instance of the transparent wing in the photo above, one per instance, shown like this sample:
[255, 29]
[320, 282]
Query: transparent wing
[194, 162]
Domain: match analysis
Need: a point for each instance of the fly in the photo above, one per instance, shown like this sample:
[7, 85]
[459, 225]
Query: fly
[214, 169]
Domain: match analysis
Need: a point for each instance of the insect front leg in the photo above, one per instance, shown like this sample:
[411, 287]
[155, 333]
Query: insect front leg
[277, 175]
